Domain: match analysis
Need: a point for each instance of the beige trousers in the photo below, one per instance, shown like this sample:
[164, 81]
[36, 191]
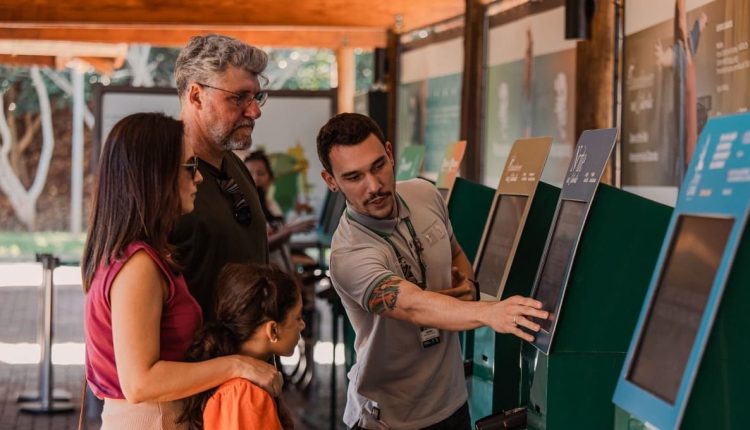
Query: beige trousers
[122, 415]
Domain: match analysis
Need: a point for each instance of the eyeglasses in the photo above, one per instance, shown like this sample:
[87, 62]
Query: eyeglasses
[243, 98]
[191, 167]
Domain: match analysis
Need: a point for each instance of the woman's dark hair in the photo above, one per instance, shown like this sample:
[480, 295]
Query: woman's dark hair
[346, 129]
[247, 296]
[261, 156]
[136, 197]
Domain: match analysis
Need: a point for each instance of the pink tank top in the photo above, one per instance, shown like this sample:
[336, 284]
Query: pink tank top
[181, 317]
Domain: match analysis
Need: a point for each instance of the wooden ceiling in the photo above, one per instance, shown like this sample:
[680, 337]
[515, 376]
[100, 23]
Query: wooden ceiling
[289, 23]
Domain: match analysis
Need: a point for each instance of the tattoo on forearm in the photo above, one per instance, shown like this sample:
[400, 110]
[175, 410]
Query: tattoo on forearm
[384, 296]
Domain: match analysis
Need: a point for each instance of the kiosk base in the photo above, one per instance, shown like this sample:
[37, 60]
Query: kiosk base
[58, 394]
[53, 407]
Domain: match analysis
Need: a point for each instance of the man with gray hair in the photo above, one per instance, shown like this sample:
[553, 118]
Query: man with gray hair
[218, 82]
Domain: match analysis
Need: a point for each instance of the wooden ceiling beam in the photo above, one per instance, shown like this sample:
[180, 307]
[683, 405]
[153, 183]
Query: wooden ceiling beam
[400, 15]
[276, 36]
[28, 60]
[102, 65]
[63, 48]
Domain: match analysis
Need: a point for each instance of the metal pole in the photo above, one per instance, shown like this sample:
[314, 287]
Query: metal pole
[335, 340]
[46, 403]
[76, 169]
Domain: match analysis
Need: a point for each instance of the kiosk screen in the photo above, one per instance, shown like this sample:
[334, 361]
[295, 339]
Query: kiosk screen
[676, 311]
[502, 232]
[555, 266]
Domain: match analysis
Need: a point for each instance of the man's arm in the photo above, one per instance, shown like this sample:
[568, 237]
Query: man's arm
[400, 299]
[463, 287]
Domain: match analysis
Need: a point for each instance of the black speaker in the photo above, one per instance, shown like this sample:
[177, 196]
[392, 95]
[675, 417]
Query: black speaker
[377, 106]
[380, 65]
[578, 15]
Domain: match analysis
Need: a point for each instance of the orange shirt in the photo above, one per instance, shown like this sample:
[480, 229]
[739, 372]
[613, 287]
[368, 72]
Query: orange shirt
[238, 404]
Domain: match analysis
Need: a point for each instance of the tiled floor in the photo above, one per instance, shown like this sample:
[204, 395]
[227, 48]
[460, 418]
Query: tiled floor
[19, 319]
[19, 315]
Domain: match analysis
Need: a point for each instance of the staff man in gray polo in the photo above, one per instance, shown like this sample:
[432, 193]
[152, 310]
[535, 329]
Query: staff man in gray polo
[406, 285]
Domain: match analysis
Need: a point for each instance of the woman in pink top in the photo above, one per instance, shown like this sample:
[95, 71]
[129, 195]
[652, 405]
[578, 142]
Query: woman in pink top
[139, 315]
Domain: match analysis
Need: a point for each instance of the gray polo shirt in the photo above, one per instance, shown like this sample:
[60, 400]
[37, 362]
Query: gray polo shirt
[396, 383]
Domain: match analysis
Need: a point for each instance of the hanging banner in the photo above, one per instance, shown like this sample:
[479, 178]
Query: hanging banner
[530, 87]
[429, 100]
[684, 62]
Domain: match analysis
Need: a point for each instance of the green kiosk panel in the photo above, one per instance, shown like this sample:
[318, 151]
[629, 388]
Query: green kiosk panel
[512, 244]
[593, 275]
[687, 363]
[468, 207]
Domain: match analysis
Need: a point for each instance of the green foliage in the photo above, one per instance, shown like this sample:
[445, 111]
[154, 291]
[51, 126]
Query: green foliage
[365, 65]
[300, 69]
[22, 246]
[26, 98]
[288, 69]
[312, 69]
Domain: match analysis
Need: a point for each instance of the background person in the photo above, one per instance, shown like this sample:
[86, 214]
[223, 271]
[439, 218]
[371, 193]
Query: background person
[279, 232]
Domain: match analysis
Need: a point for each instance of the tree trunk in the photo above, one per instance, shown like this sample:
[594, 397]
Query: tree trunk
[19, 146]
[24, 200]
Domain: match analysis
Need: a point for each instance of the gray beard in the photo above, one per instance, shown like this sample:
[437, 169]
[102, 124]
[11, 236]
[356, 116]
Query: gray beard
[229, 143]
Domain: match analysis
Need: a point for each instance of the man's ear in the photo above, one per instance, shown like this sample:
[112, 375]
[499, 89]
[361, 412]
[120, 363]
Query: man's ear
[195, 95]
[389, 152]
[330, 181]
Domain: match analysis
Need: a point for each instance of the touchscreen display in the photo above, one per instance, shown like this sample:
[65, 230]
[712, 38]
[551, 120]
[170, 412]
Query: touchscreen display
[677, 308]
[558, 258]
[496, 249]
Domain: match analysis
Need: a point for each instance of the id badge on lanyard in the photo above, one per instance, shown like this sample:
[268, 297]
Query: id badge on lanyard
[429, 336]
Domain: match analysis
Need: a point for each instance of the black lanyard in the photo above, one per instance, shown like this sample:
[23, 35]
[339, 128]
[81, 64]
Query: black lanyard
[405, 266]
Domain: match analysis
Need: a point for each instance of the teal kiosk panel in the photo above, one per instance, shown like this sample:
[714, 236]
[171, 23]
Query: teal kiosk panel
[468, 207]
[512, 244]
[599, 255]
[687, 362]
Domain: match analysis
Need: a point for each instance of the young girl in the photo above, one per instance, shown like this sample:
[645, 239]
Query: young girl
[139, 316]
[259, 315]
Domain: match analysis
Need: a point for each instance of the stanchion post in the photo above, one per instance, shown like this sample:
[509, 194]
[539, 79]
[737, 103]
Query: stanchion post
[46, 403]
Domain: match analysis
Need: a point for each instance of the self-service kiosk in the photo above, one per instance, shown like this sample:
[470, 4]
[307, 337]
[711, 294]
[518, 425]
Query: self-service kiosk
[592, 278]
[687, 363]
[468, 207]
[512, 242]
